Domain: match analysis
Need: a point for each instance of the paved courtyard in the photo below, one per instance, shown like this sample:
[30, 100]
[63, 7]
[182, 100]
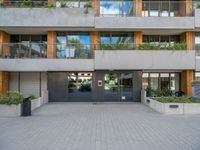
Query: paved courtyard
[85, 126]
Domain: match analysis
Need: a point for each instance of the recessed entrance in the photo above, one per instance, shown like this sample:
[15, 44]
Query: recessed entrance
[98, 86]
[118, 86]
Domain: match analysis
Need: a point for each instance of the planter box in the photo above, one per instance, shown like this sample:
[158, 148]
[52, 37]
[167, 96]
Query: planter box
[173, 108]
[36, 103]
[193, 108]
[10, 110]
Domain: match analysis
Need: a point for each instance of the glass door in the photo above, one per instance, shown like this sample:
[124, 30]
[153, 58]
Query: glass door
[118, 87]
[126, 86]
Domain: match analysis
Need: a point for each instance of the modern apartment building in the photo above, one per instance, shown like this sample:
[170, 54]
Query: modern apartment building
[99, 50]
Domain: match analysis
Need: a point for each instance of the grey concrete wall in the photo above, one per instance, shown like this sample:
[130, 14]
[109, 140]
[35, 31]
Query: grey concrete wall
[144, 22]
[46, 64]
[147, 59]
[137, 85]
[197, 67]
[197, 18]
[45, 17]
[28, 83]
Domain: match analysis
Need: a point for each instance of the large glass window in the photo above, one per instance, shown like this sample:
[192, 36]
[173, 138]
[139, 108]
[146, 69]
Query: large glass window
[73, 45]
[117, 40]
[197, 43]
[163, 8]
[162, 41]
[28, 46]
[116, 7]
[161, 81]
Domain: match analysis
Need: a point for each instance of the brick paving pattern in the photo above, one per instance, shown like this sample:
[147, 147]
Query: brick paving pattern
[104, 126]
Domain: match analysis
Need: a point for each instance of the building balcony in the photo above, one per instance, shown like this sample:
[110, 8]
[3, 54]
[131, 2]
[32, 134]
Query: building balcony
[33, 57]
[144, 60]
[48, 18]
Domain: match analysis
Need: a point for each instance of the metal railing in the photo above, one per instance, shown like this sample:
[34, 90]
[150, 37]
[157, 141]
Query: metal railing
[23, 50]
[197, 48]
[45, 4]
[167, 8]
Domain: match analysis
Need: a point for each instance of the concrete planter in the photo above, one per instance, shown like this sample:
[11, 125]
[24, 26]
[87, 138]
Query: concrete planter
[10, 110]
[173, 108]
[36, 103]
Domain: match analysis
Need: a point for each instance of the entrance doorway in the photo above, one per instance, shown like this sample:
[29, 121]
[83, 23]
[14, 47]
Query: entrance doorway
[70, 86]
[118, 87]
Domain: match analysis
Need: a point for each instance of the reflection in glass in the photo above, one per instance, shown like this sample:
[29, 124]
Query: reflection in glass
[73, 45]
[174, 77]
[126, 86]
[164, 81]
[145, 80]
[154, 80]
[116, 8]
[79, 82]
[111, 83]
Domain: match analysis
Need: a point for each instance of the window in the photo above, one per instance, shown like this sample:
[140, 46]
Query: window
[26, 46]
[116, 7]
[161, 81]
[197, 43]
[197, 76]
[73, 45]
[116, 38]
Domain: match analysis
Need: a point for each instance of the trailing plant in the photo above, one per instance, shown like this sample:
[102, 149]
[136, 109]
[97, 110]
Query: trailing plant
[26, 3]
[87, 6]
[51, 5]
[177, 100]
[11, 98]
[148, 46]
[32, 97]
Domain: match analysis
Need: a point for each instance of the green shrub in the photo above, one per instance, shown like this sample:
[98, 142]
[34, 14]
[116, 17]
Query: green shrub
[177, 100]
[12, 98]
[32, 97]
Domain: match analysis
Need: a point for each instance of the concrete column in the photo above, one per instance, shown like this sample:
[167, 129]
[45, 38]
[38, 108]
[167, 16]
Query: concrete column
[4, 44]
[138, 7]
[51, 47]
[187, 76]
[138, 38]
[4, 82]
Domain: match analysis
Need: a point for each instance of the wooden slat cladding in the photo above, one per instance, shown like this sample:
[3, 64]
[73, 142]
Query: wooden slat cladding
[4, 82]
[187, 76]
[51, 48]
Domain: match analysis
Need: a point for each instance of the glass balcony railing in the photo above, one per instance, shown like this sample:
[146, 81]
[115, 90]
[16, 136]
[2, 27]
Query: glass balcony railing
[197, 48]
[76, 51]
[166, 8]
[45, 4]
[23, 50]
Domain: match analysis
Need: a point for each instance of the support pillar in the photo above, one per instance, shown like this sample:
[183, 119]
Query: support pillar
[138, 38]
[4, 83]
[187, 76]
[94, 41]
[51, 47]
[138, 7]
[4, 44]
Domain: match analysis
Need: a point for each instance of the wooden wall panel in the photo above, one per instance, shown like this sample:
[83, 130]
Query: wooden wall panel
[187, 76]
[138, 6]
[138, 38]
[4, 82]
[51, 48]
[95, 5]
[189, 7]
[94, 41]
[4, 41]
[188, 38]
